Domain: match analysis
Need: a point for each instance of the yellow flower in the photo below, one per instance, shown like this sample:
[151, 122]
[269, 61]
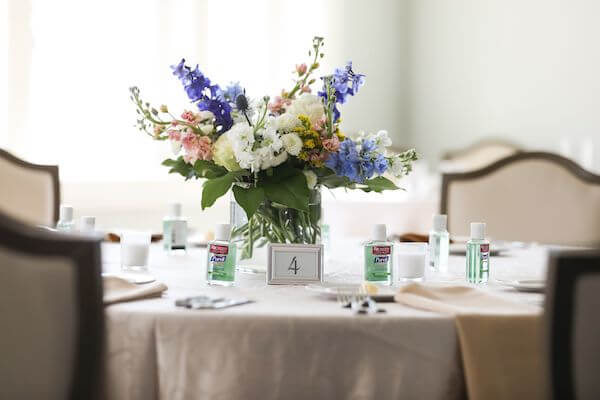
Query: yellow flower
[303, 155]
[309, 144]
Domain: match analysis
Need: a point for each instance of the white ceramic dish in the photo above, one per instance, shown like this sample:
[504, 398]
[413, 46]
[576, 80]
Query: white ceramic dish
[331, 290]
[524, 285]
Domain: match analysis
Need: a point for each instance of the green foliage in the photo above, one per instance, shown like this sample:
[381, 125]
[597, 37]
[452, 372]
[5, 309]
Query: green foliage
[249, 198]
[179, 166]
[290, 191]
[208, 169]
[378, 184]
[215, 188]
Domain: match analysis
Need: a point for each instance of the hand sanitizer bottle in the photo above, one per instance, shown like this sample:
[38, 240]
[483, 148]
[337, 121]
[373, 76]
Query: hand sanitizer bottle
[174, 230]
[478, 255]
[439, 242]
[65, 220]
[379, 256]
[220, 261]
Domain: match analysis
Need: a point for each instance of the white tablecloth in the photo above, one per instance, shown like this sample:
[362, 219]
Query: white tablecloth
[290, 343]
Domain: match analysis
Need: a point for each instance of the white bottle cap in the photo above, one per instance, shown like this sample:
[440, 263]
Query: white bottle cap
[440, 222]
[66, 213]
[223, 232]
[175, 210]
[478, 230]
[380, 232]
[87, 224]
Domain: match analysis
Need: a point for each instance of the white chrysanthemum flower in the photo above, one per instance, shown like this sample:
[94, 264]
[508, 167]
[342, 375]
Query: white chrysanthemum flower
[292, 143]
[382, 140]
[396, 167]
[286, 122]
[270, 137]
[311, 179]
[309, 105]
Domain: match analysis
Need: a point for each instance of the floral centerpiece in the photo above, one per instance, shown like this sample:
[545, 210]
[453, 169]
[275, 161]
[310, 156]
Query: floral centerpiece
[274, 154]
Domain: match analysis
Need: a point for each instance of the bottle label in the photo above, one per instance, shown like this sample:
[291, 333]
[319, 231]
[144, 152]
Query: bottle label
[221, 263]
[174, 235]
[484, 251]
[377, 263]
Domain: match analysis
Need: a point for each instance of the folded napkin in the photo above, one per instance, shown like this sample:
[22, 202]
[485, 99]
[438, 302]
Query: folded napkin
[501, 341]
[117, 290]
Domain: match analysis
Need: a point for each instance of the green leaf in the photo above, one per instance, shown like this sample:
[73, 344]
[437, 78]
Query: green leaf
[179, 166]
[379, 184]
[215, 188]
[249, 199]
[291, 192]
[208, 169]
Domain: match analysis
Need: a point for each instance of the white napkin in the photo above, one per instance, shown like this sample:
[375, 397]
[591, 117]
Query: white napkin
[118, 290]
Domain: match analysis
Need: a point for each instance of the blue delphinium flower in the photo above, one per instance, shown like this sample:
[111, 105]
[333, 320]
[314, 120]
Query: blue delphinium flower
[345, 82]
[206, 96]
[358, 163]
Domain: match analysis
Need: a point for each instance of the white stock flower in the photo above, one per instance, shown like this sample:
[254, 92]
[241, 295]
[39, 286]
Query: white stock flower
[382, 140]
[309, 105]
[286, 122]
[292, 143]
[311, 179]
[175, 146]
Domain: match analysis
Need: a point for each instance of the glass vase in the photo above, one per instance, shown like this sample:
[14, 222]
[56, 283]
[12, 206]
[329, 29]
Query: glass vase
[273, 223]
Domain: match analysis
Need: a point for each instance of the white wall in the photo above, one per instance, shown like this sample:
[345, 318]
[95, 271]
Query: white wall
[524, 70]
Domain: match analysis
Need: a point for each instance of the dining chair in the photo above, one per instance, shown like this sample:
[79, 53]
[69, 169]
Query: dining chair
[30, 192]
[573, 324]
[480, 154]
[531, 197]
[51, 340]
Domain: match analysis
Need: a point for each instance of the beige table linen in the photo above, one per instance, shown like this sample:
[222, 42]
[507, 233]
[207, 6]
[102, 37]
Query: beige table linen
[501, 341]
[117, 290]
[290, 344]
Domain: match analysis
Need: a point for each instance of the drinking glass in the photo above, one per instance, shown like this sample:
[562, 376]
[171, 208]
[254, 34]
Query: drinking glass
[135, 247]
[410, 262]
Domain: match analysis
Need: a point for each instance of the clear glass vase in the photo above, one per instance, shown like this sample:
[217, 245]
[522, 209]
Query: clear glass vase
[273, 223]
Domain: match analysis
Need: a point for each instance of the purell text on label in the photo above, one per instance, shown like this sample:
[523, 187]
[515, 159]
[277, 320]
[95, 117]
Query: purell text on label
[381, 259]
[218, 258]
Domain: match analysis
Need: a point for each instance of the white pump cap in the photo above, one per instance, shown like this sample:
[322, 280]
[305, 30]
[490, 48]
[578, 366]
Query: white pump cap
[66, 213]
[440, 222]
[175, 210]
[478, 230]
[223, 232]
[380, 232]
[87, 224]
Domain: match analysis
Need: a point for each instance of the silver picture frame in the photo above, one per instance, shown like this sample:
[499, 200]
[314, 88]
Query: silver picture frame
[294, 264]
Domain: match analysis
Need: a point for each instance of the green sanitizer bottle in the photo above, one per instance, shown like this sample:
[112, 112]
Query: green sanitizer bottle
[478, 255]
[220, 260]
[379, 257]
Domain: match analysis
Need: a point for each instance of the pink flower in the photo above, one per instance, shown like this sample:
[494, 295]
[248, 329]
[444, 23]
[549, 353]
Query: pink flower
[196, 147]
[174, 134]
[301, 69]
[188, 116]
[332, 144]
[319, 124]
[278, 105]
[317, 158]
[305, 89]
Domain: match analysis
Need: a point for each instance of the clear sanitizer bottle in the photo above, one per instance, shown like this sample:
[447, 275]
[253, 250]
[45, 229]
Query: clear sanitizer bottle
[65, 220]
[379, 257]
[439, 242]
[175, 230]
[478, 255]
[220, 260]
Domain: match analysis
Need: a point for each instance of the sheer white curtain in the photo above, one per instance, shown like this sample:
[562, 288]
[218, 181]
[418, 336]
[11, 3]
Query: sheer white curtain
[70, 64]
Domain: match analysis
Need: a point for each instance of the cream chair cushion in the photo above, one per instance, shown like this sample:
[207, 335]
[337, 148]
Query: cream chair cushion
[532, 199]
[38, 308]
[479, 156]
[26, 193]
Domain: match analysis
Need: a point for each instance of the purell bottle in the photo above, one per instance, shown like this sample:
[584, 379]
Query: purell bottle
[478, 255]
[220, 260]
[174, 230]
[439, 242]
[379, 257]
[65, 220]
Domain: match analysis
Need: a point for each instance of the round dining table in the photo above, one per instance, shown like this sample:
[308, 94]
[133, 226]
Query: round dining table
[290, 342]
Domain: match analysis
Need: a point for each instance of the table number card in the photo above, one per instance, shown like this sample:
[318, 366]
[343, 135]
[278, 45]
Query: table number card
[294, 264]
